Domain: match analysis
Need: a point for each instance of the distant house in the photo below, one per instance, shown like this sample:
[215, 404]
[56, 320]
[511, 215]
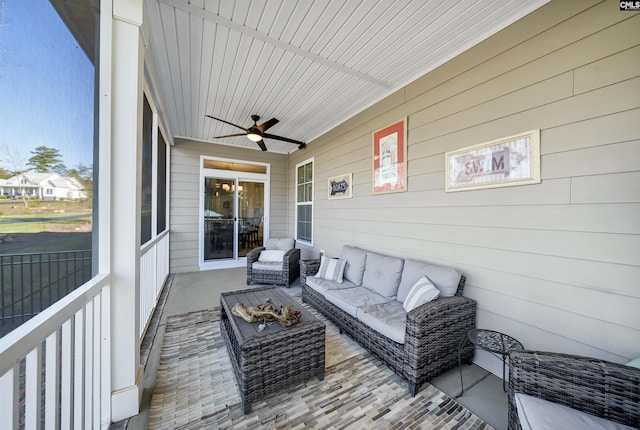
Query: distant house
[4, 191]
[43, 186]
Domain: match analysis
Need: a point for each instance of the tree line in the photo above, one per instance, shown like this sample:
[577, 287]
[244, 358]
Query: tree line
[43, 160]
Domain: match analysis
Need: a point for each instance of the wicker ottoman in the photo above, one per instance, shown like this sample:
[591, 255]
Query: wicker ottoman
[276, 358]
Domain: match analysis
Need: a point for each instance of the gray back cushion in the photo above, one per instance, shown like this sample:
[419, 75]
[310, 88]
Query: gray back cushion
[355, 258]
[284, 244]
[446, 279]
[382, 274]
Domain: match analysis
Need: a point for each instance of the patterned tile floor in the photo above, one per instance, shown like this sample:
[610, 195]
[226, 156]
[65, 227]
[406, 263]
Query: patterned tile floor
[198, 290]
[195, 389]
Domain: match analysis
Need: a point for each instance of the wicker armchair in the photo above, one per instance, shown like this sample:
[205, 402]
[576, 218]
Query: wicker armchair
[597, 387]
[281, 272]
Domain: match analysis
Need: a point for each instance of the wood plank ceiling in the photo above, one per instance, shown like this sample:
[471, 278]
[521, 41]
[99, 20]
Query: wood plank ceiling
[311, 64]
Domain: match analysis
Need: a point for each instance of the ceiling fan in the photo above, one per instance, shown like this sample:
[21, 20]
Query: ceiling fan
[256, 132]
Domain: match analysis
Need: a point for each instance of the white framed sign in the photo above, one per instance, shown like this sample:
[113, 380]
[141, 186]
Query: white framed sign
[339, 187]
[510, 161]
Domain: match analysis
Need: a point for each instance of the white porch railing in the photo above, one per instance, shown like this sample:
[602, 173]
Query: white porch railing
[55, 368]
[154, 269]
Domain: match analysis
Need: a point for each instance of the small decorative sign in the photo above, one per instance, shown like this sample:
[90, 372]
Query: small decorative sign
[390, 158]
[513, 160]
[340, 187]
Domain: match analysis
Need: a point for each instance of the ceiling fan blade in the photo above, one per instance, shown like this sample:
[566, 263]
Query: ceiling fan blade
[227, 122]
[267, 125]
[285, 139]
[229, 135]
[262, 145]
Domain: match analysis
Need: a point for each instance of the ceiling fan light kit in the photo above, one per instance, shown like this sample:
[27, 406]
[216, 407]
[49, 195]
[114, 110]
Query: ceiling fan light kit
[254, 137]
[256, 132]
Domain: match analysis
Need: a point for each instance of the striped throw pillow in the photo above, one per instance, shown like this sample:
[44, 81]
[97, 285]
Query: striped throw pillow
[422, 292]
[331, 269]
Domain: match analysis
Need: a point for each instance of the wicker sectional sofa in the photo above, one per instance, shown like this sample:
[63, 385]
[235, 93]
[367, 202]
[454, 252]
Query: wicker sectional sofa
[369, 306]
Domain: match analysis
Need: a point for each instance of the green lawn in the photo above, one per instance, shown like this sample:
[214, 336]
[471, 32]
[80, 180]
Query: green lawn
[43, 227]
[38, 226]
[26, 243]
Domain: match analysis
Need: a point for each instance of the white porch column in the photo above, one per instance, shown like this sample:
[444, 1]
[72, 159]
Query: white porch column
[126, 153]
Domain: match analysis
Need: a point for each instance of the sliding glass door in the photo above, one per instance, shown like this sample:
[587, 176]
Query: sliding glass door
[233, 214]
[219, 218]
[250, 216]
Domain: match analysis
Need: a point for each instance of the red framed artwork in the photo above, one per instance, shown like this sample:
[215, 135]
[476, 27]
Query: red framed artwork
[390, 158]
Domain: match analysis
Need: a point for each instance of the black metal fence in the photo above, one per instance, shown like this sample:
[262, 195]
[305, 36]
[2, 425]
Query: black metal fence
[29, 283]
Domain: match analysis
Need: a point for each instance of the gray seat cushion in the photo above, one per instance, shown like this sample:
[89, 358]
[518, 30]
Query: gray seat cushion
[388, 319]
[268, 266]
[350, 299]
[322, 285]
[446, 279]
[382, 274]
[539, 414]
[354, 268]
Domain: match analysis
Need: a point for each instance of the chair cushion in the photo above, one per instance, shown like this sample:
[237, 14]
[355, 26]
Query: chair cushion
[382, 274]
[354, 268]
[634, 363]
[323, 285]
[284, 244]
[331, 269]
[271, 256]
[388, 319]
[267, 266]
[422, 292]
[350, 299]
[539, 414]
[446, 279]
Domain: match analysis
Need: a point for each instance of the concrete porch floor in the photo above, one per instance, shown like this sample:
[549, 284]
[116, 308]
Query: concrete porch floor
[194, 291]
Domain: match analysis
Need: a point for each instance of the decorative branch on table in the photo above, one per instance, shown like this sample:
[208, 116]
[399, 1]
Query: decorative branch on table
[266, 312]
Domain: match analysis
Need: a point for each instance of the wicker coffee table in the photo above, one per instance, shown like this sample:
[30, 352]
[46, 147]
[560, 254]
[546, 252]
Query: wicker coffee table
[275, 358]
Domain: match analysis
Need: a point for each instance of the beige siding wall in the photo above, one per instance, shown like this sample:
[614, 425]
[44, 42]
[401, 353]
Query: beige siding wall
[185, 186]
[555, 264]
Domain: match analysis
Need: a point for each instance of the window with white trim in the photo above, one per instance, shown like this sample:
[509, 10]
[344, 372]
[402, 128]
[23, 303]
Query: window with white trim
[304, 202]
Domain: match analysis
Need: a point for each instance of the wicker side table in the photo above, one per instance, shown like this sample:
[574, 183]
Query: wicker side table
[488, 340]
[308, 268]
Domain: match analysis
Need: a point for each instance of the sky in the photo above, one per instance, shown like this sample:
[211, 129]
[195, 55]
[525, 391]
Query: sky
[46, 85]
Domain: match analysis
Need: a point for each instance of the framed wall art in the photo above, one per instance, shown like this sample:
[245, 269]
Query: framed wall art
[505, 162]
[340, 187]
[390, 158]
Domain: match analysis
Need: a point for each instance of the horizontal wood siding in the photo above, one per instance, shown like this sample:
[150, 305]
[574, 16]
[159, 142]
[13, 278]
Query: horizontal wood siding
[185, 186]
[555, 264]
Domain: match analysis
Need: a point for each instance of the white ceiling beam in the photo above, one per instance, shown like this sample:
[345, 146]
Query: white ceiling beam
[210, 16]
